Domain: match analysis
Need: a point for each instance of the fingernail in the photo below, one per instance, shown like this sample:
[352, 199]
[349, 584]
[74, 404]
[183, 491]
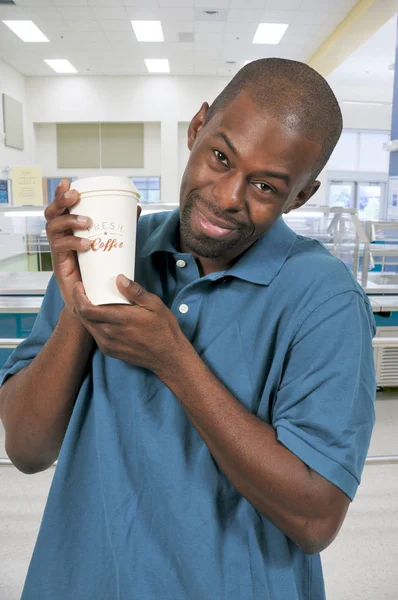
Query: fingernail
[81, 219]
[124, 281]
[64, 181]
[69, 194]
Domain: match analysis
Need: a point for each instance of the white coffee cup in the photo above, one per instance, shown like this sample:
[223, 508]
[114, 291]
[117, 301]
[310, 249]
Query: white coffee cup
[111, 203]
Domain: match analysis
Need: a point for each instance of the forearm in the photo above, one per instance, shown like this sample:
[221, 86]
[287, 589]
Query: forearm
[277, 483]
[37, 402]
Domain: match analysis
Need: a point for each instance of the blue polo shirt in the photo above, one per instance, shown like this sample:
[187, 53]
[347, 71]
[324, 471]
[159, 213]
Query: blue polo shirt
[138, 508]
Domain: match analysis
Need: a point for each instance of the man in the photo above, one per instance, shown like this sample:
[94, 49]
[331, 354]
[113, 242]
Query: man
[211, 435]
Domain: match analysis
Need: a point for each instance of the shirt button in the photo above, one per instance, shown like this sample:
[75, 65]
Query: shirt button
[183, 308]
[181, 263]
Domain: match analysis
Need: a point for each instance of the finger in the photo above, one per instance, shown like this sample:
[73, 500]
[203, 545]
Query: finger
[139, 210]
[59, 225]
[96, 314]
[134, 292]
[81, 304]
[66, 243]
[61, 203]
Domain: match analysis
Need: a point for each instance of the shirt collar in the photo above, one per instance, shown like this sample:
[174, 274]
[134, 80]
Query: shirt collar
[259, 264]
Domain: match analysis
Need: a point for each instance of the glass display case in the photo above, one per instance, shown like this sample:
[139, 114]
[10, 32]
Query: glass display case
[379, 257]
[338, 229]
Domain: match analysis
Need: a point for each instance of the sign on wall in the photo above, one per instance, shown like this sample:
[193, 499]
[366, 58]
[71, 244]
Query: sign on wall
[27, 186]
[392, 206]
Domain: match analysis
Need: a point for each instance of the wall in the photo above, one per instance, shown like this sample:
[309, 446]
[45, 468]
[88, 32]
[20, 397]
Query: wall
[163, 99]
[363, 116]
[13, 84]
[169, 101]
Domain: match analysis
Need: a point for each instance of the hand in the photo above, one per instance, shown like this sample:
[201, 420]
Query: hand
[145, 335]
[63, 243]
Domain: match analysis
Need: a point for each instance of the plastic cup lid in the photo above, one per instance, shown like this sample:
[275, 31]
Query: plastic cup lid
[105, 182]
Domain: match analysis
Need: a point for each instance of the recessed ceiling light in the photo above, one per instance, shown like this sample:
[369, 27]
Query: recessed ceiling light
[270, 33]
[148, 31]
[157, 65]
[27, 31]
[61, 66]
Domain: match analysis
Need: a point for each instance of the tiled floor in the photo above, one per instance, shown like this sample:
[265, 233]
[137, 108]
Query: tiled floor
[361, 564]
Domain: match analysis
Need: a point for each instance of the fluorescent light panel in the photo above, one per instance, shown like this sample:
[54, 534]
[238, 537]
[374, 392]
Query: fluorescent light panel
[61, 65]
[157, 65]
[270, 33]
[27, 31]
[148, 31]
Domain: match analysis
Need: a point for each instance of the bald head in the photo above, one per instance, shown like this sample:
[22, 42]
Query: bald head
[295, 94]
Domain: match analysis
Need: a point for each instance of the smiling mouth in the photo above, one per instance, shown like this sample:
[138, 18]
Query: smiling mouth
[212, 228]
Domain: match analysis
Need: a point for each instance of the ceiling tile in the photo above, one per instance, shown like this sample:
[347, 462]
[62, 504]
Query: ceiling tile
[103, 14]
[203, 41]
[101, 3]
[12, 12]
[82, 3]
[140, 13]
[121, 37]
[23, 3]
[205, 70]
[237, 28]
[175, 3]
[119, 25]
[81, 38]
[75, 13]
[84, 25]
[294, 16]
[141, 3]
[328, 5]
[248, 4]
[176, 14]
[203, 27]
[244, 16]
[284, 4]
[42, 14]
[243, 40]
[211, 4]
[171, 30]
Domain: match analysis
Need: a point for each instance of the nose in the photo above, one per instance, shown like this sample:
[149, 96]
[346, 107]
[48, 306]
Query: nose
[229, 191]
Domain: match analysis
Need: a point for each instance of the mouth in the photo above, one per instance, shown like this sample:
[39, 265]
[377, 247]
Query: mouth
[213, 228]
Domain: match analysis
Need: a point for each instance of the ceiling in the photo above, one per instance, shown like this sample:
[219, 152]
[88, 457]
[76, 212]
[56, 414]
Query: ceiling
[369, 64]
[97, 38]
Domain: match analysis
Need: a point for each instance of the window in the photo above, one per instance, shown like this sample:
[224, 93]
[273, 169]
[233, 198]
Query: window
[149, 188]
[360, 151]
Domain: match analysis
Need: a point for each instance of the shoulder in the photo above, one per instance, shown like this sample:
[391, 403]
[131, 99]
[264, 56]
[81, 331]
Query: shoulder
[319, 277]
[316, 266]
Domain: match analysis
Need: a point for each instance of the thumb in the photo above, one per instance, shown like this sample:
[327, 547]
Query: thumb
[134, 292]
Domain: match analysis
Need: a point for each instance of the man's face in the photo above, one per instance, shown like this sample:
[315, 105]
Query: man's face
[245, 169]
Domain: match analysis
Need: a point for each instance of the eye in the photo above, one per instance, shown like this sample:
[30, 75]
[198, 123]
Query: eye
[220, 157]
[264, 187]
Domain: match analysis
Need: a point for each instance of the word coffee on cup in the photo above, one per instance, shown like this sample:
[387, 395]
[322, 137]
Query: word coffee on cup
[111, 203]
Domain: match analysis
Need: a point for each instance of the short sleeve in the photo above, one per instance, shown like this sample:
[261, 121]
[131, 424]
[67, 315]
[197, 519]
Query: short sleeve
[324, 409]
[42, 329]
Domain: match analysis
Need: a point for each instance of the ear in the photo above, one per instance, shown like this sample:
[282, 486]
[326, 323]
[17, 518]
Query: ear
[196, 124]
[304, 196]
